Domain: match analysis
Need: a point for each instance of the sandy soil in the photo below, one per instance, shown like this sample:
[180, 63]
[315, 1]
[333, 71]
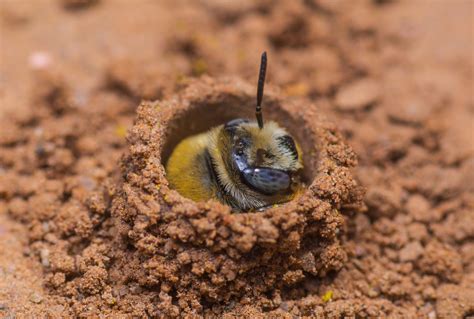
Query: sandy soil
[395, 78]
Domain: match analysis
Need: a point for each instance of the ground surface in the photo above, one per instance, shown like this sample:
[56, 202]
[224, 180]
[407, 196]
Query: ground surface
[395, 76]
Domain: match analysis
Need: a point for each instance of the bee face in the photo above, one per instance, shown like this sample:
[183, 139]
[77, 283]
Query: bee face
[266, 160]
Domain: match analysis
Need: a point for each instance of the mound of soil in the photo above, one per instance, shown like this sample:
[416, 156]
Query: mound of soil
[89, 226]
[201, 255]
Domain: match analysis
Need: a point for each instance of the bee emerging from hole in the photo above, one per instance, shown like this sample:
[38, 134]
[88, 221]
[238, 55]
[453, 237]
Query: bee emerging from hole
[244, 164]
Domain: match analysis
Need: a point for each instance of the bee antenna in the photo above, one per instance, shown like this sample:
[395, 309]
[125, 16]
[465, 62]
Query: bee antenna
[261, 84]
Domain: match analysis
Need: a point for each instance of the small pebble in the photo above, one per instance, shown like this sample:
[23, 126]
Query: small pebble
[57, 309]
[51, 238]
[27, 251]
[357, 95]
[411, 252]
[39, 60]
[36, 298]
[359, 251]
[284, 306]
[372, 293]
[419, 208]
[44, 255]
[45, 227]
[413, 111]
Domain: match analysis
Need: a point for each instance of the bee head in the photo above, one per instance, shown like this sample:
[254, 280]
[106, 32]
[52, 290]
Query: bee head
[266, 159]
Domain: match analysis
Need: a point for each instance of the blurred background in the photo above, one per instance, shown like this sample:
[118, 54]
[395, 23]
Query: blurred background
[396, 76]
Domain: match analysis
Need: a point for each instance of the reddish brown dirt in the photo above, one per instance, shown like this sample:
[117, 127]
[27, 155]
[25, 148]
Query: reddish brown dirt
[395, 77]
[201, 255]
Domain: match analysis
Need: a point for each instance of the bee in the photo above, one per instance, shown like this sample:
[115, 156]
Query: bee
[248, 165]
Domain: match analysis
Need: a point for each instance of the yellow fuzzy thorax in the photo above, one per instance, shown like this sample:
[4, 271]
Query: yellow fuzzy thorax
[184, 171]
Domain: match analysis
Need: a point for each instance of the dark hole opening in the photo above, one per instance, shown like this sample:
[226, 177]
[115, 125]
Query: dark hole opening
[201, 116]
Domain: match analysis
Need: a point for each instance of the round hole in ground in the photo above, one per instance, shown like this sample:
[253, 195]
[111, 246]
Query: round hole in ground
[201, 116]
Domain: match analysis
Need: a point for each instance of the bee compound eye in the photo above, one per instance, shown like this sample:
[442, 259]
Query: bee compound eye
[288, 142]
[267, 180]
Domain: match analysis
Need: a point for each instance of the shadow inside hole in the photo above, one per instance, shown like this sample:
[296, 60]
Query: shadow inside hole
[200, 117]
